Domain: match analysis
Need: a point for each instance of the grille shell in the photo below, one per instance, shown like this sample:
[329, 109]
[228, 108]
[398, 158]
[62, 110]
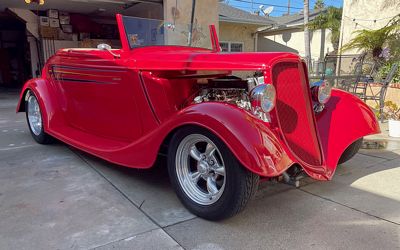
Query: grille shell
[294, 112]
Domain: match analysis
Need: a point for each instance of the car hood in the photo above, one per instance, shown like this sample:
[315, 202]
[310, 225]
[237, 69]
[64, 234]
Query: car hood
[184, 58]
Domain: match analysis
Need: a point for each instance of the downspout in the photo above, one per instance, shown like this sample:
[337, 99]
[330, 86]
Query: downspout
[256, 42]
[322, 50]
[255, 34]
[191, 23]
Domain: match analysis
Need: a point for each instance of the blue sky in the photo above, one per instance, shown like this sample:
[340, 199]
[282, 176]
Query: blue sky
[278, 11]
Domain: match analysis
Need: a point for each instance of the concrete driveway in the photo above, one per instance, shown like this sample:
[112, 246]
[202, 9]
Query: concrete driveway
[56, 197]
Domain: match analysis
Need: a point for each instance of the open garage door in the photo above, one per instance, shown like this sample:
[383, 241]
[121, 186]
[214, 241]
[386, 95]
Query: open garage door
[43, 29]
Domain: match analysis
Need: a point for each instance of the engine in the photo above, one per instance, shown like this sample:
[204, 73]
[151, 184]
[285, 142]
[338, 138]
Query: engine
[235, 96]
[228, 90]
[250, 94]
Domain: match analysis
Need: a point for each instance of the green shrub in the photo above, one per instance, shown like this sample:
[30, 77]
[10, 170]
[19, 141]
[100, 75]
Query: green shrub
[390, 111]
[384, 70]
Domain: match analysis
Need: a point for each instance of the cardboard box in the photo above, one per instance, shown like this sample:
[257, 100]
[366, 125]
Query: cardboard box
[49, 32]
[44, 21]
[63, 13]
[64, 36]
[52, 13]
[55, 23]
[84, 36]
[65, 19]
[66, 28]
[92, 43]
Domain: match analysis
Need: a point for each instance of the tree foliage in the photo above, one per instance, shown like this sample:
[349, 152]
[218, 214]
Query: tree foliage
[319, 5]
[329, 19]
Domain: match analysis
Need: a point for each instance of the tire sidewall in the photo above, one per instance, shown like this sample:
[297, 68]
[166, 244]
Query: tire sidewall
[233, 172]
[350, 151]
[41, 138]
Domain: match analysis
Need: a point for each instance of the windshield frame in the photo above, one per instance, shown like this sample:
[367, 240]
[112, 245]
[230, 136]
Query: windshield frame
[127, 46]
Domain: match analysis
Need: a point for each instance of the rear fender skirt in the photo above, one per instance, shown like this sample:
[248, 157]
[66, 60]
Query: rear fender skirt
[344, 120]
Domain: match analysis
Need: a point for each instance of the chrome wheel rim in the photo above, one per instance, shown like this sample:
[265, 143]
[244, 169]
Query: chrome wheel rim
[34, 115]
[200, 169]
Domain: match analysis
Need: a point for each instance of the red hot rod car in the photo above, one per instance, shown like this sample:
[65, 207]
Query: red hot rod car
[222, 132]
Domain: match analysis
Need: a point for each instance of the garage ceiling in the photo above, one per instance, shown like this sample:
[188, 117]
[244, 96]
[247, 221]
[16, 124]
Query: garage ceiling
[141, 8]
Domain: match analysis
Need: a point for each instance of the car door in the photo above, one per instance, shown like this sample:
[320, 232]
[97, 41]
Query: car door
[99, 94]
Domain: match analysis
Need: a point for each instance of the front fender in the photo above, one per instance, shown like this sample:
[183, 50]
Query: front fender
[249, 139]
[344, 120]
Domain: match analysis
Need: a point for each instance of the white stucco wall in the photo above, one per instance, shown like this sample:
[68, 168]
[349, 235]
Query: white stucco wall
[294, 38]
[364, 12]
[178, 12]
[241, 33]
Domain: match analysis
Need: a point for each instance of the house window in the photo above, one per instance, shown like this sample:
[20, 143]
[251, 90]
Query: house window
[224, 46]
[231, 46]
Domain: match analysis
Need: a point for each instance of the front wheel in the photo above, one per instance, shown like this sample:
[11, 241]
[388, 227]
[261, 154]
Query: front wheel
[35, 121]
[351, 151]
[206, 176]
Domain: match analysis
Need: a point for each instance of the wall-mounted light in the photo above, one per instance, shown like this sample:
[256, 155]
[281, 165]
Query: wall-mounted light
[40, 2]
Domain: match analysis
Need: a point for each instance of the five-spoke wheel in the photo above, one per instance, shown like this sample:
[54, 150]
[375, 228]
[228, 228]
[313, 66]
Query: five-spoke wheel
[34, 115]
[206, 176]
[200, 169]
[35, 119]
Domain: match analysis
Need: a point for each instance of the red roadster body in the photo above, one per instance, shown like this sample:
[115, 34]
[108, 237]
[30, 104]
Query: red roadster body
[124, 105]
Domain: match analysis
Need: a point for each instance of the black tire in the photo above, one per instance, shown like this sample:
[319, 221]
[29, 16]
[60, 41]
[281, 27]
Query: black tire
[351, 151]
[240, 183]
[41, 137]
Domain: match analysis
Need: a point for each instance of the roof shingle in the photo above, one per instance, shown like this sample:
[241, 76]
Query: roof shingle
[231, 14]
[295, 19]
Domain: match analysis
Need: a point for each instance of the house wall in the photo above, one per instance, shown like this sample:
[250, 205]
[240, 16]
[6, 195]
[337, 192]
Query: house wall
[268, 45]
[178, 12]
[294, 39]
[363, 11]
[234, 32]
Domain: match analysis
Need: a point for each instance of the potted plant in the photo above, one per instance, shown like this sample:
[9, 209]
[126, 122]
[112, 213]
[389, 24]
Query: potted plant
[391, 112]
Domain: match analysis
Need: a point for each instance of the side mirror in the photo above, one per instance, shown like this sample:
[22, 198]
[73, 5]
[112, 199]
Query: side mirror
[104, 46]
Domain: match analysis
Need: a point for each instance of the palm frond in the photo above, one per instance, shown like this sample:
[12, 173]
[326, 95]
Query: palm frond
[374, 40]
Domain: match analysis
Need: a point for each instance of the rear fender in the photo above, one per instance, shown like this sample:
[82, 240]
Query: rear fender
[40, 89]
[344, 120]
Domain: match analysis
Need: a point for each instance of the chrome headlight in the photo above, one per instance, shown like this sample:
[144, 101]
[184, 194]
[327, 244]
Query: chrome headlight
[321, 91]
[263, 96]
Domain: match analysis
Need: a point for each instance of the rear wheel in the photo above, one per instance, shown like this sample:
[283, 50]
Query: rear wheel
[351, 151]
[206, 176]
[35, 121]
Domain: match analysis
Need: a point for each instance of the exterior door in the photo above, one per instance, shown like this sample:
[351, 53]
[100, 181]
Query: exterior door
[99, 96]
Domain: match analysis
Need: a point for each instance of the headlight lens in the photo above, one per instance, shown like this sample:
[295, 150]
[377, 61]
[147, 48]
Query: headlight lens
[263, 96]
[321, 92]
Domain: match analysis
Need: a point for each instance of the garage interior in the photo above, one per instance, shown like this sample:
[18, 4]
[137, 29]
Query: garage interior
[25, 43]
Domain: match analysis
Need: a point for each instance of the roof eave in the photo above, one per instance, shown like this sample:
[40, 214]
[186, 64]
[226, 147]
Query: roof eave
[241, 21]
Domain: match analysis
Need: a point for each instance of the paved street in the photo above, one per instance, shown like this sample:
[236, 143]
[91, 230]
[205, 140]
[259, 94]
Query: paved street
[56, 197]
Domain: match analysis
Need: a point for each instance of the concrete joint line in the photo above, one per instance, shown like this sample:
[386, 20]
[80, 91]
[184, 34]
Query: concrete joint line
[122, 193]
[347, 206]
[131, 236]
[379, 157]
[13, 148]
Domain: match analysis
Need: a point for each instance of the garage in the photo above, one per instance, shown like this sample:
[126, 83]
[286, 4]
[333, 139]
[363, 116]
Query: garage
[31, 31]
[14, 51]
